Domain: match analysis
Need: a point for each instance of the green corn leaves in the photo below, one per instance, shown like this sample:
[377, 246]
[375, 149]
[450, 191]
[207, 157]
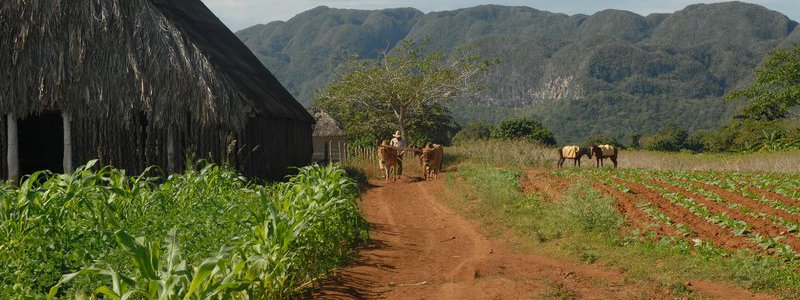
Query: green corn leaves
[204, 234]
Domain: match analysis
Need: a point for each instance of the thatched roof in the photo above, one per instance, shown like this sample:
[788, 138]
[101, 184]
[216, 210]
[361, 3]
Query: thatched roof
[172, 59]
[326, 126]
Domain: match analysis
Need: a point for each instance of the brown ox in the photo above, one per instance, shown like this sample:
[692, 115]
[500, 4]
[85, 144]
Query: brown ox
[572, 152]
[431, 159]
[602, 152]
[388, 160]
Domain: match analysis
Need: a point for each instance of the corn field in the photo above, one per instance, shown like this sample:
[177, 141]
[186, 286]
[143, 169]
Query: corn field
[206, 233]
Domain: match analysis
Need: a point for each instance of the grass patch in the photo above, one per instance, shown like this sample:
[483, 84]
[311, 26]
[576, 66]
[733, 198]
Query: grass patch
[584, 228]
[557, 291]
[583, 211]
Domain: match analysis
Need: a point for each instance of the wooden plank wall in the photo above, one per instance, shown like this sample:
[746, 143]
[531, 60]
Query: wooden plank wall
[265, 149]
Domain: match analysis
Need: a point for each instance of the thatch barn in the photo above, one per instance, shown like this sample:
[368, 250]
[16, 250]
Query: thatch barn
[330, 138]
[137, 83]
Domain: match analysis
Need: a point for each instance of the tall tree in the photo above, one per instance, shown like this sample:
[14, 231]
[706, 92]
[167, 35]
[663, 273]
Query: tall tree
[776, 88]
[409, 83]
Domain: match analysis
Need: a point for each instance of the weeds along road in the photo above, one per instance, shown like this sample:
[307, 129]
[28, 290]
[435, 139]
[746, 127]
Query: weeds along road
[421, 249]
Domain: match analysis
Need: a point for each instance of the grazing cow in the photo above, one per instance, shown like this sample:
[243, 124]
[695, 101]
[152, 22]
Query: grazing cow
[388, 160]
[431, 158]
[602, 152]
[572, 152]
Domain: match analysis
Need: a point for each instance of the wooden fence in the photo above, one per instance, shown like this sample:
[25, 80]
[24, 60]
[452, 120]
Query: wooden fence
[364, 153]
[371, 153]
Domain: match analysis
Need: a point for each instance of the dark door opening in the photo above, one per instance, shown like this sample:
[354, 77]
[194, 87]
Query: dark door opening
[41, 143]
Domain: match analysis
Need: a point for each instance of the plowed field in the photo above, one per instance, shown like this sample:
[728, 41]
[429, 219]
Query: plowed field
[422, 249]
[719, 210]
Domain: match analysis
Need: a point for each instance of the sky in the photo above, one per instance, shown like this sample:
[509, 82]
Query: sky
[240, 14]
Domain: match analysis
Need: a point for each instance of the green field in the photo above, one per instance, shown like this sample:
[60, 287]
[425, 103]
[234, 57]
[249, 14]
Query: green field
[206, 233]
[657, 220]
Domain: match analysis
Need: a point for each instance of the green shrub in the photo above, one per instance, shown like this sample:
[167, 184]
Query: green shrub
[475, 130]
[672, 139]
[602, 139]
[583, 210]
[755, 135]
[512, 129]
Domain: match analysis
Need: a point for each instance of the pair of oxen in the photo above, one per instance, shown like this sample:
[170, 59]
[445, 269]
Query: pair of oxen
[599, 152]
[430, 158]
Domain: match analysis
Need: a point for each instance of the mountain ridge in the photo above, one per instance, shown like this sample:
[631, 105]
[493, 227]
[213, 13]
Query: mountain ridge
[700, 52]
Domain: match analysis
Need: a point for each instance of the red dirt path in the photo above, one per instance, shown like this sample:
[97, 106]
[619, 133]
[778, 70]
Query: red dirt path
[422, 249]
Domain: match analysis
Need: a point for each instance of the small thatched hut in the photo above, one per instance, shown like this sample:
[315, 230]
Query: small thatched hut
[330, 139]
[138, 83]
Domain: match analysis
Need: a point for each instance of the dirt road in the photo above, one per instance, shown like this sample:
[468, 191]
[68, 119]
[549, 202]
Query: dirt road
[421, 249]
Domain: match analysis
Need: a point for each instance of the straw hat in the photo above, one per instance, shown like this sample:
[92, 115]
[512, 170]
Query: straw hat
[397, 134]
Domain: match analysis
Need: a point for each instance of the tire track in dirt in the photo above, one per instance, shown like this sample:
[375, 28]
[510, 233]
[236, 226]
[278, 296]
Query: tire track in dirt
[421, 249]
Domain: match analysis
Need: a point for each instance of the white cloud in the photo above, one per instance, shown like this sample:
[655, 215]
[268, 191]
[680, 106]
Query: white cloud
[238, 14]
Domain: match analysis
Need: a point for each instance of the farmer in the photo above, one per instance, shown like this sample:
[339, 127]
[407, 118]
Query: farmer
[399, 142]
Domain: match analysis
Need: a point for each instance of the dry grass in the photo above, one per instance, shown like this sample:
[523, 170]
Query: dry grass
[503, 153]
[522, 154]
[781, 162]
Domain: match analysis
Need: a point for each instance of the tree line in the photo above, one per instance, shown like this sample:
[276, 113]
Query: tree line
[411, 89]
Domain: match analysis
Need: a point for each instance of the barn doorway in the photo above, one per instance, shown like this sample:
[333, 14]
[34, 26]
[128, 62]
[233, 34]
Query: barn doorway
[41, 143]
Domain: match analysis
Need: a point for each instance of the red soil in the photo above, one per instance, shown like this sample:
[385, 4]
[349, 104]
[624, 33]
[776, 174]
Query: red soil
[747, 202]
[554, 187]
[762, 226]
[562, 182]
[551, 186]
[770, 195]
[698, 225]
[421, 249]
[636, 217]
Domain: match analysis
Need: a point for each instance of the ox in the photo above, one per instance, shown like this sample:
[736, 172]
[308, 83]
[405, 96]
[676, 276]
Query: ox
[431, 158]
[388, 160]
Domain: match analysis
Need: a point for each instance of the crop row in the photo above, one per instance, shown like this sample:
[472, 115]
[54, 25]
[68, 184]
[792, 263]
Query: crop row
[720, 208]
[207, 233]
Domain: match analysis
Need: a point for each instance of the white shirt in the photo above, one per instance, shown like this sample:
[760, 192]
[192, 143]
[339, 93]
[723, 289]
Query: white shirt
[398, 142]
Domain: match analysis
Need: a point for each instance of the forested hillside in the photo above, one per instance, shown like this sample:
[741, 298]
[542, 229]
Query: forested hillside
[614, 72]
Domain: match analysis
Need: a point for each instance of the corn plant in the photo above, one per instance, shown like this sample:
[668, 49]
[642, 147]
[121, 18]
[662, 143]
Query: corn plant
[164, 275]
[237, 239]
